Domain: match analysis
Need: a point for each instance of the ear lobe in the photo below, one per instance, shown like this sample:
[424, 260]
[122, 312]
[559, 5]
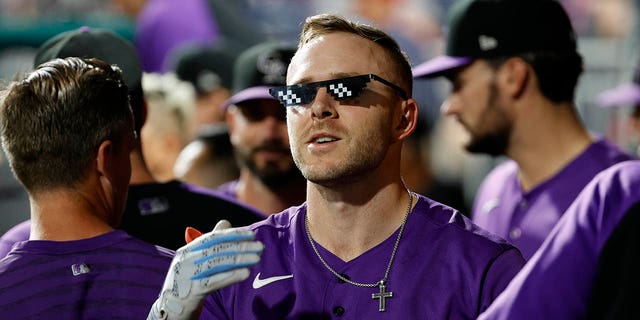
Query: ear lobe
[408, 118]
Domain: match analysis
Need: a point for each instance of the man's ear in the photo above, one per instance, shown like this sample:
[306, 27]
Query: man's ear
[515, 75]
[408, 118]
[104, 157]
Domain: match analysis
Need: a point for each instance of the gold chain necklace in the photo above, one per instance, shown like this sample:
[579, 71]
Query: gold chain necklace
[382, 284]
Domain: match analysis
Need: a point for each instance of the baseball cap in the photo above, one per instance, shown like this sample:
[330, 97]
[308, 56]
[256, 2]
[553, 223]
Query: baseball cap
[259, 68]
[484, 29]
[86, 42]
[206, 67]
[623, 95]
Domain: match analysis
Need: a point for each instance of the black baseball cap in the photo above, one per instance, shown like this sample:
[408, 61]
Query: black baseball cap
[103, 44]
[485, 29]
[259, 68]
[86, 42]
[206, 67]
[626, 94]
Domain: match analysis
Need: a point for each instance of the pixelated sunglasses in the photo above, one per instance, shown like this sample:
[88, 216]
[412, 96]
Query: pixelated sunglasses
[340, 89]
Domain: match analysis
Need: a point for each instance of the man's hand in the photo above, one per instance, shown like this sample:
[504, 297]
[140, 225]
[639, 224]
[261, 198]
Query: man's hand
[210, 262]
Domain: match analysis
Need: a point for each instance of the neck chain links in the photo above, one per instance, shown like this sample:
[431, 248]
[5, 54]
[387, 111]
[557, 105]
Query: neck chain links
[382, 281]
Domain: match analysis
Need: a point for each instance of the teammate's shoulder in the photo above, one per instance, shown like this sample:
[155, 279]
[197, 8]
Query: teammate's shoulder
[450, 220]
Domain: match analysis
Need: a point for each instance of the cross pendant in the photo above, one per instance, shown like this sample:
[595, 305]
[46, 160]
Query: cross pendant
[382, 296]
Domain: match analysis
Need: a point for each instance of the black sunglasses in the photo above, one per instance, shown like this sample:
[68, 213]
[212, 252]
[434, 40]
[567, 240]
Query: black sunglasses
[340, 89]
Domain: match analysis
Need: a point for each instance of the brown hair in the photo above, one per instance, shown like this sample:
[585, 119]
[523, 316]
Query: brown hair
[53, 121]
[321, 24]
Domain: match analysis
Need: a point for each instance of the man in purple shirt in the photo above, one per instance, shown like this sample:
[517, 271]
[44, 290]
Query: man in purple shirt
[362, 246]
[513, 83]
[155, 212]
[68, 130]
[557, 283]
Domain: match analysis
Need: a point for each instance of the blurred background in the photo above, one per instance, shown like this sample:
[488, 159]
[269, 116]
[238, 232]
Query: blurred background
[608, 32]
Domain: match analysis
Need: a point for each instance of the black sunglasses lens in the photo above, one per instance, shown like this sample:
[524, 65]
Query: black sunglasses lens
[296, 95]
[341, 89]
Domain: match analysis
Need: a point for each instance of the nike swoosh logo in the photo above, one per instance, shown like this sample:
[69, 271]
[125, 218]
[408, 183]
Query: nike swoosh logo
[259, 283]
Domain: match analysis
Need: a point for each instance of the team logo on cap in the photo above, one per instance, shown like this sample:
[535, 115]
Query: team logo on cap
[487, 43]
[273, 67]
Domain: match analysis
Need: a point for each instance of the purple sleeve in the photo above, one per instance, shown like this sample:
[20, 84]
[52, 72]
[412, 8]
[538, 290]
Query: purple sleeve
[18, 233]
[498, 275]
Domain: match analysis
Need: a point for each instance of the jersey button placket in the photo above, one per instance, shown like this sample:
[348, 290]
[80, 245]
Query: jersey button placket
[338, 310]
[516, 232]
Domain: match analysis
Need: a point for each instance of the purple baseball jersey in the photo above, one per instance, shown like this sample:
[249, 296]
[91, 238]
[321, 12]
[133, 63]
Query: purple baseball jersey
[556, 283]
[445, 268]
[525, 219]
[111, 276]
[165, 25]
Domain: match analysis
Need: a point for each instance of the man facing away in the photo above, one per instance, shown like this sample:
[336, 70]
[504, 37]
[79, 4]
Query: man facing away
[269, 180]
[155, 212]
[513, 80]
[68, 130]
[362, 246]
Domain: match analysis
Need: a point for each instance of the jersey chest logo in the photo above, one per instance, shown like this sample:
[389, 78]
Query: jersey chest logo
[259, 283]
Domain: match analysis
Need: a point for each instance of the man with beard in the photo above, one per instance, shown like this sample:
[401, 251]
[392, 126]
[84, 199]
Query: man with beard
[269, 180]
[362, 245]
[513, 87]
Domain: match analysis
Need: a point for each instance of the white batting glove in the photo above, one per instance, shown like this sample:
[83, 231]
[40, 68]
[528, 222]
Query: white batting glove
[210, 262]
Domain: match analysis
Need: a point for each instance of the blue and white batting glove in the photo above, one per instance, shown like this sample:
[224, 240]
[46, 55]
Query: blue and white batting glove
[212, 261]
